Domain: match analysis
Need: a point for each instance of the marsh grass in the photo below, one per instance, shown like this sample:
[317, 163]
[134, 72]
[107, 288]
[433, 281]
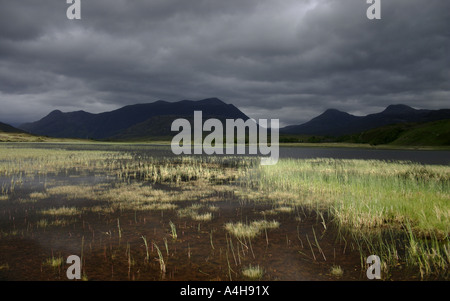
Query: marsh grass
[160, 259]
[384, 206]
[62, 222]
[202, 217]
[42, 223]
[38, 195]
[25, 201]
[397, 210]
[70, 191]
[147, 258]
[365, 193]
[173, 230]
[194, 213]
[10, 233]
[4, 267]
[253, 272]
[278, 210]
[250, 230]
[62, 211]
[54, 262]
[336, 271]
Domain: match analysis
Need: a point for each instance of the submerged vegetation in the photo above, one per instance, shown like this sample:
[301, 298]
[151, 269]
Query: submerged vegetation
[225, 217]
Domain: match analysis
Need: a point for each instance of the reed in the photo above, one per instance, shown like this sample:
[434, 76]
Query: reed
[173, 230]
[160, 259]
[119, 229]
[147, 258]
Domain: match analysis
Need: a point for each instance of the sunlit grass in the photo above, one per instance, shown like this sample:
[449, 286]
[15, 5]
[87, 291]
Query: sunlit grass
[42, 223]
[202, 217]
[250, 230]
[253, 272]
[277, 210]
[194, 213]
[72, 191]
[366, 193]
[4, 267]
[38, 195]
[62, 211]
[375, 201]
[336, 271]
[54, 262]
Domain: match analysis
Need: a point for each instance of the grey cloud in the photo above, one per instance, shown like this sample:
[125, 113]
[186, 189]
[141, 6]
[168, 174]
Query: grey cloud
[273, 59]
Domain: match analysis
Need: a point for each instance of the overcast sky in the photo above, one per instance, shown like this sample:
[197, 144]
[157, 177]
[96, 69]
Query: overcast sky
[281, 59]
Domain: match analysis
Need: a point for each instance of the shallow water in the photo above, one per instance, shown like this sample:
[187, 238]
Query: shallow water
[202, 250]
[302, 248]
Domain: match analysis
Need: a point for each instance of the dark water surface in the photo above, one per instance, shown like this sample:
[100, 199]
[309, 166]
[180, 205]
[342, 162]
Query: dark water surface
[440, 157]
[436, 157]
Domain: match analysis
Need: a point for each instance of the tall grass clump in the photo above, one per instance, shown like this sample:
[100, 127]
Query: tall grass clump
[241, 230]
[253, 272]
[54, 262]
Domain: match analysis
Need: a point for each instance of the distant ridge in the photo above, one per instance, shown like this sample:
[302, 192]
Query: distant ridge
[336, 123]
[149, 120]
[129, 121]
[6, 128]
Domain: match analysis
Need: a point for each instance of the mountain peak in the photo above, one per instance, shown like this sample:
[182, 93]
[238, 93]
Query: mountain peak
[398, 108]
[55, 112]
[213, 101]
[334, 111]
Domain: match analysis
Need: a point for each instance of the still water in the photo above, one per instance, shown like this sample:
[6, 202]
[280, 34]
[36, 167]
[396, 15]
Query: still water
[418, 156]
[435, 157]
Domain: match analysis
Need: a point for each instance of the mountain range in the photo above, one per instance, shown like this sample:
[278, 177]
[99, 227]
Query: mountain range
[337, 123]
[143, 121]
[132, 121]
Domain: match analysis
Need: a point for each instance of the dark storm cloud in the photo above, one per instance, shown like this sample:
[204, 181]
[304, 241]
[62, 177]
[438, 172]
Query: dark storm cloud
[273, 59]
